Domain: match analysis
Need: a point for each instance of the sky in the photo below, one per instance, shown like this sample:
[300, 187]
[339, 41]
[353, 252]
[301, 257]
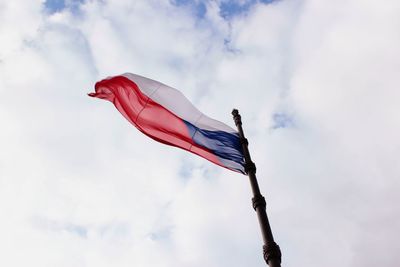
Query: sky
[316, 83]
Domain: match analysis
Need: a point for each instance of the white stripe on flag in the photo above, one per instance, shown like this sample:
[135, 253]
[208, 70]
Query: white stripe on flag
[177, 103]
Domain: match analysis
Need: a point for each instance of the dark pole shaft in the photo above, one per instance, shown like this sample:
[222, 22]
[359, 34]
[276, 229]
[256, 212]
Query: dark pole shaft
[272, 252]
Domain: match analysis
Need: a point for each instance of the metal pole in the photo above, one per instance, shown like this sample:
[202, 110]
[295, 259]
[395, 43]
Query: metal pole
[272, 252]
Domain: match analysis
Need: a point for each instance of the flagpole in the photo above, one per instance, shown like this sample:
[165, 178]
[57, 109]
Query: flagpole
[271, 250]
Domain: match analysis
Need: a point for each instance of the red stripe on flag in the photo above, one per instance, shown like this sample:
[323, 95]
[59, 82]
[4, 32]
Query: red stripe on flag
[148, 116]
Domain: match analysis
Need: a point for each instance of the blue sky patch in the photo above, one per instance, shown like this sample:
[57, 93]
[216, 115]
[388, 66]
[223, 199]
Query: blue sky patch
[228, 9]
[54, 6]
[199, 8]
[282, 120]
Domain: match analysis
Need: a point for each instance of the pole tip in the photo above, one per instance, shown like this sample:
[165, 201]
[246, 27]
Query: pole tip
[236, 117]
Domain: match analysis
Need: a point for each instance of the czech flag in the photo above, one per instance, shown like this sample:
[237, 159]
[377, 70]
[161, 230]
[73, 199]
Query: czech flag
[166, 115]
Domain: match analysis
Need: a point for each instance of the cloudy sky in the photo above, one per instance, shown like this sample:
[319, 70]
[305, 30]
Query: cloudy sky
[317, 84]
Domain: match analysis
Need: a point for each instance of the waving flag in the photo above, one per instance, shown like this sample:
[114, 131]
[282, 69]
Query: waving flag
[166, 115]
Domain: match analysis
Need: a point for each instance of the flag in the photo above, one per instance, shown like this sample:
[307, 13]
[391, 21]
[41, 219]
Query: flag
[166, 115]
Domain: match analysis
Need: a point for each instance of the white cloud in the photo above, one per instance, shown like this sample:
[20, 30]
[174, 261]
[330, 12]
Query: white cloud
[79, 186]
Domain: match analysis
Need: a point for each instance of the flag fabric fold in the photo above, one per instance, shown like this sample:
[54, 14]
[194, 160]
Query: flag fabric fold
[166, 115]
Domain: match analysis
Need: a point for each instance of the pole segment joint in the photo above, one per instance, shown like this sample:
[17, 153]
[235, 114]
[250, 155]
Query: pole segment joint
[244, 141]
[259, 202]
[272, 252]
[250, 167]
